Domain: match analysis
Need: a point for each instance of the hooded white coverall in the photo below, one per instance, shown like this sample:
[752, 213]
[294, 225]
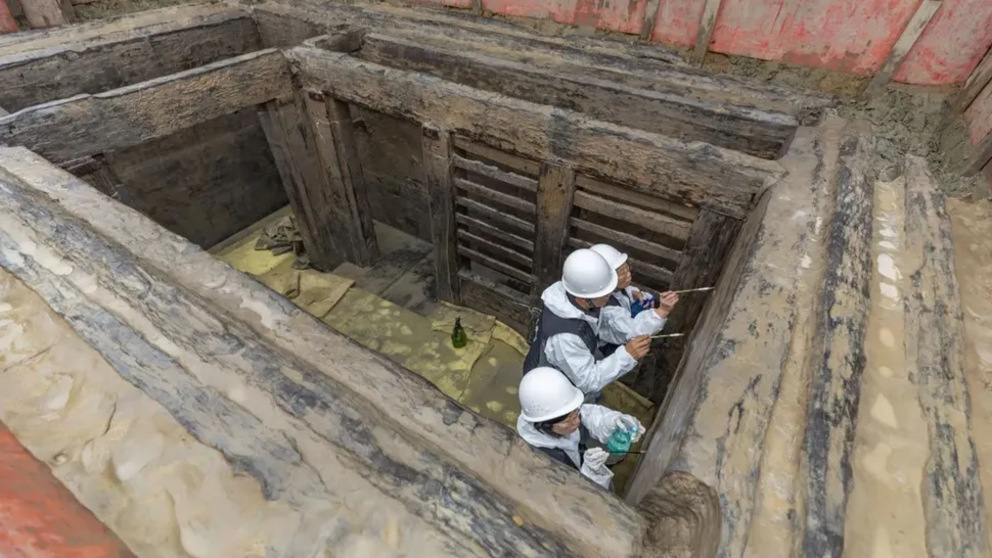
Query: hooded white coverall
[616, 322]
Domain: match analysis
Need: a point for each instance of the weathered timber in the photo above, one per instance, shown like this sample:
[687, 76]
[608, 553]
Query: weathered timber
[601, 94]
[496, 215]
[657, 222]
[518, 164]
[344, 202]
[58, 64]
[97, 172]
[495, 265]
[92, 124]
[689, 172]
[706, 250]
[7, 22]
[979, 78]
[660, 277]
[441, 200]
[952, 496]
[650, 17]
[979, 156]
[492, 298]
[683, 212]
[372, 445]
[473, 224]
[838, 354]
[707, 23]
[480, 191]
[618, 238]
[924, 12]
[555, 189]
[43, 13]
[547, 497]
[495, 173]
[493, 247]
[281, 25]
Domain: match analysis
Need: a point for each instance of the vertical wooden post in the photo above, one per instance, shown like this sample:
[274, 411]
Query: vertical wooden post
[707, 23]
[907, 39]
[344, 202]
[979, 78]
[441, 201]
[43, 13]
[7, 22]
[555, 190]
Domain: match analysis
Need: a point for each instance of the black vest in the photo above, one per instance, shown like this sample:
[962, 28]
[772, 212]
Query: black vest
[609, 348]
[559, 454]
[551, 324]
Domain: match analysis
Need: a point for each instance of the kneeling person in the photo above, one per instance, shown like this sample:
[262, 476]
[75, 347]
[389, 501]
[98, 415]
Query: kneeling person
[554, 420]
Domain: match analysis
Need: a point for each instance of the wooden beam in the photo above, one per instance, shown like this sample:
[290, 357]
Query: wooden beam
[687, 172]
[602, 94]
[907, 39]
[441, 200]
[624, 239]
[686, 213]
[489, 171]
[473, 224]
[707, 23]
[43, 13]
[710, 240]
[91, 124]
[497, 215]
[650, 17]
[63, 62]
[495, 265]
[652, 221]
[519, 164]
[503, 251]
[343, 203]
[494, 195]
[555, 190]
[979, 78]
[499, 300]
[980, 155]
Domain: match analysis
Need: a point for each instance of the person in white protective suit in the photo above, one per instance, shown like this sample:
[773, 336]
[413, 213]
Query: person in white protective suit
[569, 334]
[617, 320]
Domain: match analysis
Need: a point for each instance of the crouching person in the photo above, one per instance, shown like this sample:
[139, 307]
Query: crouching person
[554, 420]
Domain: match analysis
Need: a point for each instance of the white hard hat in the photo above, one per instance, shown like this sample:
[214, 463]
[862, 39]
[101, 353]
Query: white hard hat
[586, 274]
[614, 257]
[545, 393]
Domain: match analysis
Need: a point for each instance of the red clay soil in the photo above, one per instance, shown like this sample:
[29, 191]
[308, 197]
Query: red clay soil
[40, 518]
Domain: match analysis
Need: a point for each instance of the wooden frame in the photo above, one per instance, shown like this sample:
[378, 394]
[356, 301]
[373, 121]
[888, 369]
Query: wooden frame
[694, 173]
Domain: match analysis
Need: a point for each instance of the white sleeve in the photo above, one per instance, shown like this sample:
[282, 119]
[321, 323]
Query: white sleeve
[599, 421]
[568, 353]
[616, 325]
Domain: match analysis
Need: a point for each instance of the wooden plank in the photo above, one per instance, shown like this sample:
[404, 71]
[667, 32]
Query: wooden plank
[629, 240]
[555, 190]
[344, 202]
[661, 276]
[92, 58]
[709, 244]
[503, 251]
[91, 124]
[979, 78]
[646, 219]
[495, 196]
[526, 166]
[496, 215]
[513, 179]
[707, 23]
[602, 94]
[501, 301]
[907, 39]
[978, 158]
[650, 17]
[495, 264]
[43, 13]
[630, 196]
[477, 225]
[687, 172]
[441, 200]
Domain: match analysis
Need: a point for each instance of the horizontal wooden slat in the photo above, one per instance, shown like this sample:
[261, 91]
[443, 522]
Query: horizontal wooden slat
[630, 240]
[493, 195]
[92, 124]
[688, 172]
[508, 305]
[526, 166]
[496, 173]
[475, 224]
[503, 251]
[646, 219]
[636, 198]
[495, 264]
[496, 215]
[659, 274]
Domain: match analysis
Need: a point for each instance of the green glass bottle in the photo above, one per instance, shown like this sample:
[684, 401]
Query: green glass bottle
[458, 337]
[619, 442]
